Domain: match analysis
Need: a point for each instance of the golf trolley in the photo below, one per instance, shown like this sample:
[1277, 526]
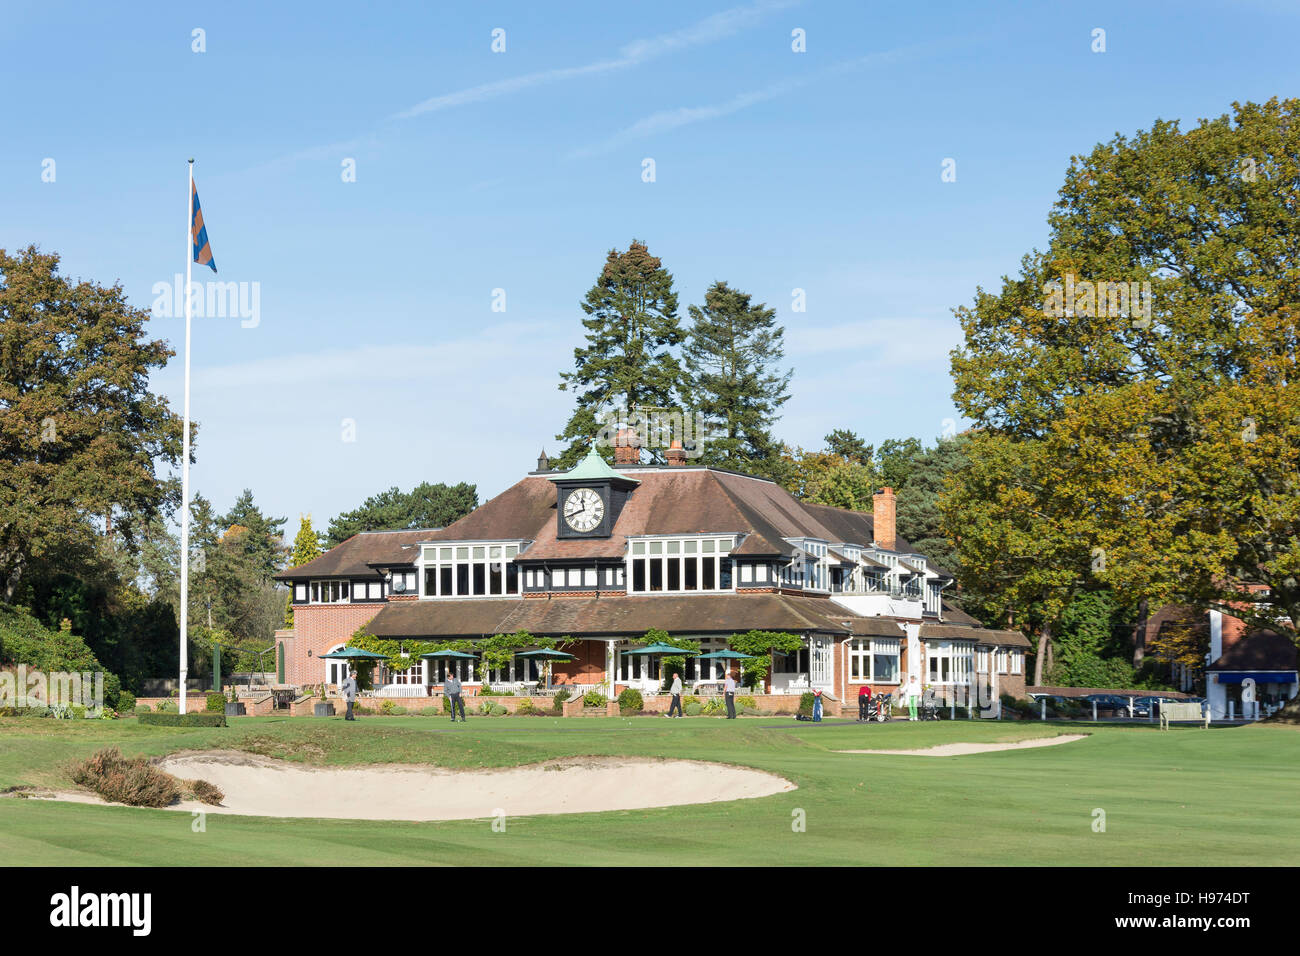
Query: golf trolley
[878, 708]
[930, 705]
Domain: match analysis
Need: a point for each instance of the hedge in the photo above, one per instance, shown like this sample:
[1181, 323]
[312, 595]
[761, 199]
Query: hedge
[164, 719]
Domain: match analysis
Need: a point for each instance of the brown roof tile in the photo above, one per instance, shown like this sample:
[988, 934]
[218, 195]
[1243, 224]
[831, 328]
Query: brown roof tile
[610, 616]
[1259, 651]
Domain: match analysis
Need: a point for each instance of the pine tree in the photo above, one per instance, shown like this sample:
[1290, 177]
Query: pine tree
[632, 327]
[736, 387]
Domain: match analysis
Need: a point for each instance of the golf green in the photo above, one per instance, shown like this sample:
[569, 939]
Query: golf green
[1187, 796]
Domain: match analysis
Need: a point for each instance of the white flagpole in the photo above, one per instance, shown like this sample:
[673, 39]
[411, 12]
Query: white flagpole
[185, 445]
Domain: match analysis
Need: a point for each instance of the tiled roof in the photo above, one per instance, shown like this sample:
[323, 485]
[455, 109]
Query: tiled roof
[355, 556]
[687, 500]
[611, 616]
[1259, 651]
[981, 635]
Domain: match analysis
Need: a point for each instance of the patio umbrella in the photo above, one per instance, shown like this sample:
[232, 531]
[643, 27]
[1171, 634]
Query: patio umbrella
[449, 655]
[726, 655]
[663, 650]
[660, 649]
[355, 654]
[546, 654]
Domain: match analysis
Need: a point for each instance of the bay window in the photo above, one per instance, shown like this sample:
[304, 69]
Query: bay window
[471, 570]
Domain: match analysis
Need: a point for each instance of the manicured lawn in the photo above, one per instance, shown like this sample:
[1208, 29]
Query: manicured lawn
[1187, 796]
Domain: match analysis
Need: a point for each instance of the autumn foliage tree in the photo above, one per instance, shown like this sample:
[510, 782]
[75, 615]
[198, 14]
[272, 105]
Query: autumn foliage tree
[1145, 441]
[81, 434]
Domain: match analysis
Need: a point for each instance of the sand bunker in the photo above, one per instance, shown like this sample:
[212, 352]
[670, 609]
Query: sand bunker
[262, 787]
[957, 750]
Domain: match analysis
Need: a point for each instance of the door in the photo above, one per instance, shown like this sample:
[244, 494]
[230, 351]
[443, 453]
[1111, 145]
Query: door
[336, 672]
[819, 661]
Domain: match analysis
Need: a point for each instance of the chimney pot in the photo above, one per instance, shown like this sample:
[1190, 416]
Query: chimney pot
[676, 454]
[627, 447]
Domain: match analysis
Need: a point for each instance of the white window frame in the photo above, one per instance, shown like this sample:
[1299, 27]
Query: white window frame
[699, 549]
[470, 554]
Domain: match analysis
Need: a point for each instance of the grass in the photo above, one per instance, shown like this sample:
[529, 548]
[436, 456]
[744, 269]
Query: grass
[1187, 796]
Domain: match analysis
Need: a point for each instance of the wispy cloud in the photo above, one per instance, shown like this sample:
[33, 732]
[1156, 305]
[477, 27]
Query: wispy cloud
[666, 120]
[709, 30]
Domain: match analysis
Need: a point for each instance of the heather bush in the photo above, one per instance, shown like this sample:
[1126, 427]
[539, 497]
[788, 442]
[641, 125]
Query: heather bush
[130, 780]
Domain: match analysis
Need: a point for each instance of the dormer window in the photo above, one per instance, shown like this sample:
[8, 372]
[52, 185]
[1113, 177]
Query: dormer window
[680, 564]
[481, 569]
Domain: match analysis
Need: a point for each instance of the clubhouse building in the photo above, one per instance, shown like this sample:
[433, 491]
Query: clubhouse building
[600, 555]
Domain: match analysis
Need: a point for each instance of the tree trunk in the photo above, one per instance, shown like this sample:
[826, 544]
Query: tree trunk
[1044, 642]
[1140, 633]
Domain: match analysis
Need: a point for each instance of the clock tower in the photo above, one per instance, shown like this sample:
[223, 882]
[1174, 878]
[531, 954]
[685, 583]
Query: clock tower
[589, 497]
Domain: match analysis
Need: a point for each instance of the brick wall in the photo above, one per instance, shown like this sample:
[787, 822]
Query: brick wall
[317, 628]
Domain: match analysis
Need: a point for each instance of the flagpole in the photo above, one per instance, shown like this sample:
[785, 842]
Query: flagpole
[185, 446]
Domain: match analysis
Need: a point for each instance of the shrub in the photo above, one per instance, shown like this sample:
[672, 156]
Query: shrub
[693, 709]
[806, 703]
[593, 698]
[497, 710]
[712, 707]
[206, 792]
[560, 697]
[431, 712]
[133, 781]
[78, 711]
[630, 701]
[108, 713]
[164, 719]
[126, 701]
[398, 711]
[143, 709]
[166, 707]
[446, 705]
[216, 703]
[746, 703]
[486, 691]
[525, 706]
[387, 707]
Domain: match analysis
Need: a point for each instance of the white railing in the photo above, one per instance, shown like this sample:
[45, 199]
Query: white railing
[402, 690]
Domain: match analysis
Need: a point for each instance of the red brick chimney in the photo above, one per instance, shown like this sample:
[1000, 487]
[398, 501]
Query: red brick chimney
[676, 454]
[885, 517]
[627, 447]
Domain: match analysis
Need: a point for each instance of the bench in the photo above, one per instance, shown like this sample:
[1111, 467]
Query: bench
[1172, 710]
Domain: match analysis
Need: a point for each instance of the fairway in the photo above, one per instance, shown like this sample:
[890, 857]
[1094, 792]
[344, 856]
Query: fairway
[1187, 796]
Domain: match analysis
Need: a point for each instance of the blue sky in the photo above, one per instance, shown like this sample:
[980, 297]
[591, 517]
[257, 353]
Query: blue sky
[518, 170]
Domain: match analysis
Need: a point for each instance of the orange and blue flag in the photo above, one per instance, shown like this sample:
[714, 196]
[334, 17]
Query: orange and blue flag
[199, 233]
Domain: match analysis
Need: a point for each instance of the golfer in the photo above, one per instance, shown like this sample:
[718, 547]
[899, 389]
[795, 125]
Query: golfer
[350, 692]
[910, 695]
[676, 691]
[864, 702]
[451, 688]
[729, 694]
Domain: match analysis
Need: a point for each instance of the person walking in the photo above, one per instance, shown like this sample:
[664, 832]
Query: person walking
[817, 706]
[452, 689]
[729, 695]
[350, 692]
[910, 695]
[864, 702]
[676, 691]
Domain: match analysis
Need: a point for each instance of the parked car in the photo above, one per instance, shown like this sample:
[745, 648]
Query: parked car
[1110, 702]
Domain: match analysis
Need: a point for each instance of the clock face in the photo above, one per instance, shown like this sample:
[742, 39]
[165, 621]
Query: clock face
[583, 509]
